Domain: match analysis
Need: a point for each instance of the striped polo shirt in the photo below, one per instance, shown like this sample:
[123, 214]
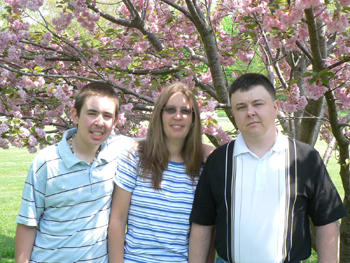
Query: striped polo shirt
[69, 200]
[158, 221]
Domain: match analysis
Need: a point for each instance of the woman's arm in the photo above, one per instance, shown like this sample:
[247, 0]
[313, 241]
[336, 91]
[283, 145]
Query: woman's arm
[117, 223]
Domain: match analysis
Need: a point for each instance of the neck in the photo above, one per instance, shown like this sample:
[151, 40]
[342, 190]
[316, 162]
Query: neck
[174, 149]
[261, 145]
[80, 150]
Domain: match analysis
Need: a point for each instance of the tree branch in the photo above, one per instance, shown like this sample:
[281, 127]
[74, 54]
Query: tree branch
[126, 91]
[305, 51]
[179, 8]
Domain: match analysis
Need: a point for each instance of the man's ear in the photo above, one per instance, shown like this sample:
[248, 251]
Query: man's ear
[75, 117]
[116, 121]
[276, 106]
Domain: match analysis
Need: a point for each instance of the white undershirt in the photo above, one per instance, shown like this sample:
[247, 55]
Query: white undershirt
[260, 203]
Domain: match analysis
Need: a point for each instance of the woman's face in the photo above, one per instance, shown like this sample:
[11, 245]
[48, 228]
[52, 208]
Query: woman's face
[177, 117]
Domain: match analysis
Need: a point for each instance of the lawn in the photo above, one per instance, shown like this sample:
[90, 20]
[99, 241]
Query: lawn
[14, 164]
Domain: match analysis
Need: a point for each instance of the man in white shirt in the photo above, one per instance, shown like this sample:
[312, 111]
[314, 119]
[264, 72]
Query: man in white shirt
[260, 189]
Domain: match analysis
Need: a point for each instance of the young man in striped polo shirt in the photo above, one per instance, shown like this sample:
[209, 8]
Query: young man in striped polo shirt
[66, 199]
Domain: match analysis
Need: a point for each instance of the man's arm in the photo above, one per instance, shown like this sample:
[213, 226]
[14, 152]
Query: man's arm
[327, 243]
[199, 243]
[25, 237]
[212, 250]
[117, 223]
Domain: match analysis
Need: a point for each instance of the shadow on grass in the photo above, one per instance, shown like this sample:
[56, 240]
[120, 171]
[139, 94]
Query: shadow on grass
[7, 249]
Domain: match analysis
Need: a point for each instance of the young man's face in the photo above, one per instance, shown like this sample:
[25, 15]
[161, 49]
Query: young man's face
[254, 112]
[96, 121]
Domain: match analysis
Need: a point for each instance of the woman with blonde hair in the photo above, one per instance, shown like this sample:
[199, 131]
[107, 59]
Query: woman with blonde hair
[156, 182]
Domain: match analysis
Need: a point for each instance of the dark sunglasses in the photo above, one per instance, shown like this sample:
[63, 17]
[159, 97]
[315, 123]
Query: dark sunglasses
[173, 110]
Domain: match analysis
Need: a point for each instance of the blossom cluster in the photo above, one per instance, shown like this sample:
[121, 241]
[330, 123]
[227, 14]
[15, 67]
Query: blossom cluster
[315, 90]
[294, 101]
[142, 56]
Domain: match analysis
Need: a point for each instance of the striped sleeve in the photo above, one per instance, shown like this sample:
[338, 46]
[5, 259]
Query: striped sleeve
[33, 197]
[126, 175]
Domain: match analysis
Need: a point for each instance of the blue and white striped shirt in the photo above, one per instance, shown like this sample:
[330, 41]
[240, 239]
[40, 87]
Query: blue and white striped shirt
[69, 202]
[158, 221]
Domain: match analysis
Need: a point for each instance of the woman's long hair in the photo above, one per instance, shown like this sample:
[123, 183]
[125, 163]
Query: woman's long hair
[154, 155]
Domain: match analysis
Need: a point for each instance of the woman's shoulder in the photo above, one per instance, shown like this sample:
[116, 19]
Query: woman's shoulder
[207, 150]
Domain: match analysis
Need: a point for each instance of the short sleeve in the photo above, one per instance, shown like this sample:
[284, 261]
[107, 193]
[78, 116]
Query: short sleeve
[126, 170]
[325, 206]
[33, 196]
[203, 209]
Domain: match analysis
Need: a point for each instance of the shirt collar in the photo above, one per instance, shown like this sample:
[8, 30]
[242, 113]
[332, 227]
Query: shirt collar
[68, 157]
[280, 144]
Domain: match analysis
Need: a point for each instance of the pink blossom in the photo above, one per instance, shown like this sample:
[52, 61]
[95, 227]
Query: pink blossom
[291, 18]
[4, 128]
[288, 107]
[123, 9]
[13, 54]
[303, 4]
[24, 133]
[313, 91]
[121, 120]
[63, 21]
[290, 44]
[245, 56]
[339, 26]
[16, 114]
[32, 141]
[127, 108]
[206, 77]
[28, 124]
[141, 131]
[344, 96]
[34, 5]
[22, 3]
[124, 62]
[4, 143]
[40, 60]
[4, 72]
[31, 149]
[302, 103]
[275, 42]
[344, 2]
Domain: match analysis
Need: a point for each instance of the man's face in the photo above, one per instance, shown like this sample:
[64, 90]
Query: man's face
[96, 121]
[254, 112]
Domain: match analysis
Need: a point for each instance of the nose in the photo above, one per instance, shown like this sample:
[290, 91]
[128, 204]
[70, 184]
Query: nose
[99, 120]
[178, 114]
[251, 111]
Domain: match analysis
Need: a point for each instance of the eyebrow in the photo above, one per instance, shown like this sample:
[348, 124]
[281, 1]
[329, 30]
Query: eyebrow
[96, 111]
[244, 103]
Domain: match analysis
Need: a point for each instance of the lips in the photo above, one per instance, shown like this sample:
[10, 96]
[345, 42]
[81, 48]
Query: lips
[252, 123]
[176, 126]
[97, 135]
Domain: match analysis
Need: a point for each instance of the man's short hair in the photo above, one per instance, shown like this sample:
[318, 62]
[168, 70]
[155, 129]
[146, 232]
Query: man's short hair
[95, 89]
[250, 80]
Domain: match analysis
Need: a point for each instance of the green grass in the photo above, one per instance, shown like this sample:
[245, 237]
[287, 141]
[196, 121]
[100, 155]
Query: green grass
[14, 165]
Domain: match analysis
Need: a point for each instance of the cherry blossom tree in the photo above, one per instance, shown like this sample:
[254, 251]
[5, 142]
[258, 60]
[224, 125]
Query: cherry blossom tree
[139, 46]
